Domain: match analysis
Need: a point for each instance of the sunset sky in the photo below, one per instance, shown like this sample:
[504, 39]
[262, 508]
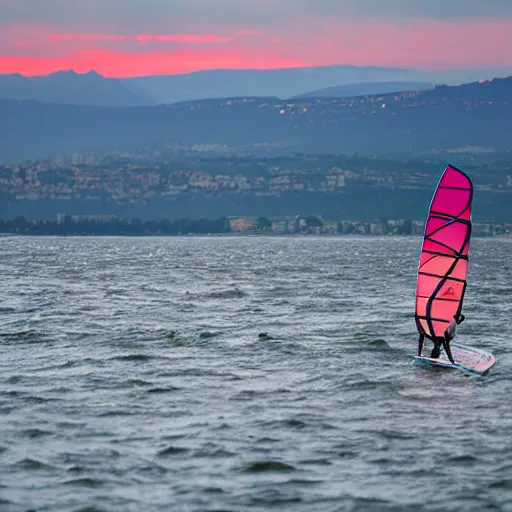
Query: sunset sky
[120, 38]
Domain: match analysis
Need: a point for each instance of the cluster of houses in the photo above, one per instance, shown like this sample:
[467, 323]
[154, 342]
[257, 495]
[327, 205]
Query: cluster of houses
[317, 225]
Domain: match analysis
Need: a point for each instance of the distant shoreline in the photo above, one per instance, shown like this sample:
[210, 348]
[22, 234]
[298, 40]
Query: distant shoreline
[311, 225]
[230, 235]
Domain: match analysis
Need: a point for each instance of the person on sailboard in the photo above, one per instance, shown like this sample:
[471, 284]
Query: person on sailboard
[443, 341]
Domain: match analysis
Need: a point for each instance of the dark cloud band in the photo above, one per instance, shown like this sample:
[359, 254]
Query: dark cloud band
[164, 16]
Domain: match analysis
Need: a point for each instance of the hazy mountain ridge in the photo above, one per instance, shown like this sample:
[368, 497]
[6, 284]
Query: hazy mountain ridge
[283, 83]
[477, 114]
[366, 89]
[290, 82]
[345, 81]
[73, 88]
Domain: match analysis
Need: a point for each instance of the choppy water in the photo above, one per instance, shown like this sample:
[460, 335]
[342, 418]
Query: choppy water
[132, 378]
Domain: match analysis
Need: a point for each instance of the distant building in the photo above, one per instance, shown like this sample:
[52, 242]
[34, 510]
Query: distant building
[418, 227]
[330, 227]
[280, 226]
[61, 217]
[242, 224]
[482, 229]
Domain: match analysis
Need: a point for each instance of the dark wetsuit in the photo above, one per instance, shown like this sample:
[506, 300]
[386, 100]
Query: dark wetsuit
[443, 341]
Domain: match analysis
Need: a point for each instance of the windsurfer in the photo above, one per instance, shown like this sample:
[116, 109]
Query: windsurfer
[444, 341]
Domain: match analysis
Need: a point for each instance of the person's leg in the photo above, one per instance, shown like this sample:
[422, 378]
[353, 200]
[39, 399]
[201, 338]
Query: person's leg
[420, 344]
[448, 350]
[436, 351]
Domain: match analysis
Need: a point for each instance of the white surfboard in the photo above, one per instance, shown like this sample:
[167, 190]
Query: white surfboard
[467, 359]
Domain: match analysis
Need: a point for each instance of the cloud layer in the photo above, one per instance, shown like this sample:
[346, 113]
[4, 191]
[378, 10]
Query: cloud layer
[130, 37]
[177, 15]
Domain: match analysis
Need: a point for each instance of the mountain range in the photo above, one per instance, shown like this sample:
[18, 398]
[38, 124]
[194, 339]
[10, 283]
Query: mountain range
[292, 82]
[73, 88]
[476, 114]
[335, 81]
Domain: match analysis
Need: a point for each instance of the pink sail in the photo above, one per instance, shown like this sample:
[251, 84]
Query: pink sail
[444, 256]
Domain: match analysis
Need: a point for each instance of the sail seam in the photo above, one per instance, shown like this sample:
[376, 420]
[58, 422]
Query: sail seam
[437, 253]
[444, 276]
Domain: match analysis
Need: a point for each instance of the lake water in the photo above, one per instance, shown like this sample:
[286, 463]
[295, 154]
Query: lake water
[132, 378]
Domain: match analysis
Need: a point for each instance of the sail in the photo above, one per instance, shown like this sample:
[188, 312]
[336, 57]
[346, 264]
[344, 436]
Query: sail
[443, 265]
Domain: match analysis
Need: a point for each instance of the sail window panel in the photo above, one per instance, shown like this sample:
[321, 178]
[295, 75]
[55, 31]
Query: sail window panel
[438, 265]
[435, 222]
[439, 328]
[461, 270]
[450, 202]
[421, 306]
[452, 235]
[443, 310]
[426, 285]
[424, 326]
[455, 179]
[450, 290]
[436, 246]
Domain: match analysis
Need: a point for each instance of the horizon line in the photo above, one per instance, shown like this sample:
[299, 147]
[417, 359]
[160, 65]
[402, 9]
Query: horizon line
[262, 69]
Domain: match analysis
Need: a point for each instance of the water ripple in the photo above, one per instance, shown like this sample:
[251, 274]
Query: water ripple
[228, 374]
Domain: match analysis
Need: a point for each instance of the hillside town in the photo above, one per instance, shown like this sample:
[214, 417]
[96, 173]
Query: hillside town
[319, 226]
[131, 176]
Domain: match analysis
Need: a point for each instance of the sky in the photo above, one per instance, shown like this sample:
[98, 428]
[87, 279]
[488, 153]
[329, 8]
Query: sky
[121, 38]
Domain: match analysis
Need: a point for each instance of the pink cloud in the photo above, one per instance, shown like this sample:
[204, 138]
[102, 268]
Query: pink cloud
[416, 43]
[424, 44]
[113, 63]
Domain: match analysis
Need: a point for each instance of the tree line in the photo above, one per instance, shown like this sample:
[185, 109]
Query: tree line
[68, 225]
